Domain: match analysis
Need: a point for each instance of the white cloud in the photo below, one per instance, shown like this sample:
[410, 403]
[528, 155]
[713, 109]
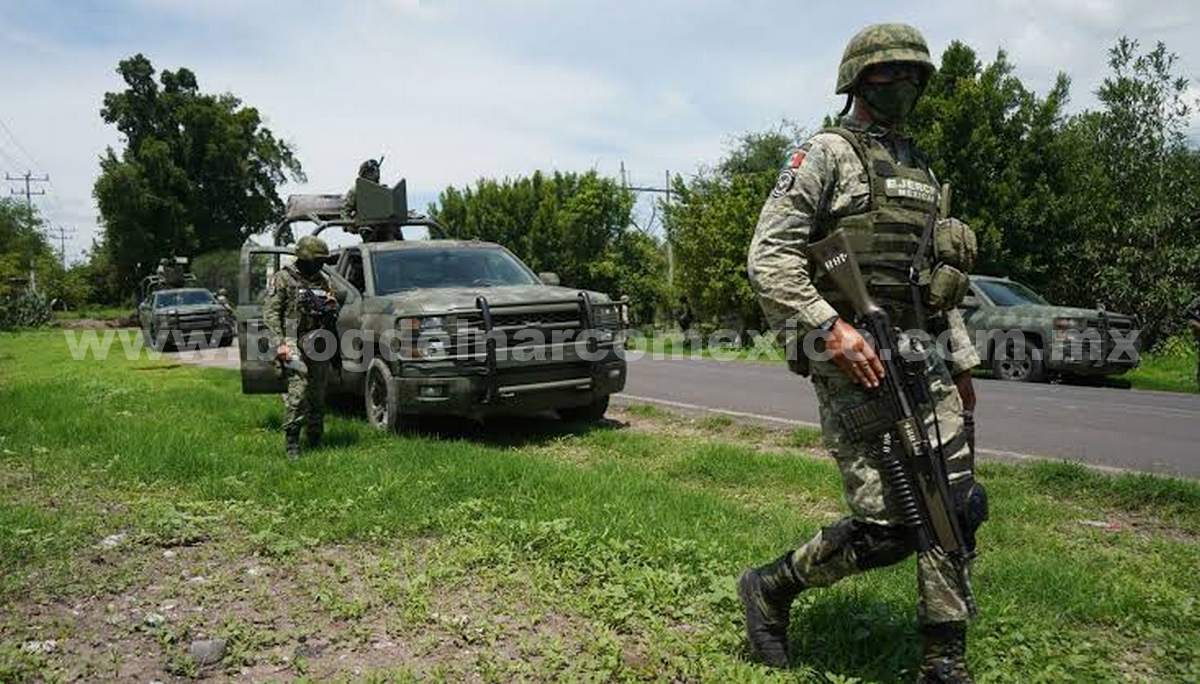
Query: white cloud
[453, 91]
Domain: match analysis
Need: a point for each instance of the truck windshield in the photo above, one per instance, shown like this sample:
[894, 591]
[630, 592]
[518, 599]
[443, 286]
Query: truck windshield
[186, 298]
[420, 268]
[1009, 293]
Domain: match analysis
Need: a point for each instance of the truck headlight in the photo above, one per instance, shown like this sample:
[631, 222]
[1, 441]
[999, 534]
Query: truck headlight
[1068, 324]
[606, 317]
[424, 338]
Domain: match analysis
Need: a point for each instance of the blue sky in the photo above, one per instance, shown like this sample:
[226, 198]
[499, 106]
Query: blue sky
[452, 91]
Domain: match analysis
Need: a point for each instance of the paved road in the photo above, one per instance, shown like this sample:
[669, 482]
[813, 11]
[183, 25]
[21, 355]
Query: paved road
[1147, 431]
[1106, 427]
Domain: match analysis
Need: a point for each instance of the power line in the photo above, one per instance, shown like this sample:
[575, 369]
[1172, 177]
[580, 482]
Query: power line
[9, 159]
[61, 234]
[16, 142]
[28, 179]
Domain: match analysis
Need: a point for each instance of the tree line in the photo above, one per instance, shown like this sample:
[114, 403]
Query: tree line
[1097, 207]
[1102, 205]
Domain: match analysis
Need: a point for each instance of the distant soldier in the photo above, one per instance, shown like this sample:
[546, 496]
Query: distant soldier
[865, 177]
[299, 302]
[368, 170]
[223, 300]
[684, 315]
[1193, 319]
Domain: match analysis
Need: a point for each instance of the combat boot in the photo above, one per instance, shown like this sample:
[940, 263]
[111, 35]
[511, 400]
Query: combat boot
[944, 654]
[767, 594]
[293, 444]
[313, 436]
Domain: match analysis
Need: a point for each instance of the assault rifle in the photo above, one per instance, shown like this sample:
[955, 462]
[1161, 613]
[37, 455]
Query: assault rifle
[917, 475]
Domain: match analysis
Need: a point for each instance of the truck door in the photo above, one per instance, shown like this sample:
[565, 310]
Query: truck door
[258, 264]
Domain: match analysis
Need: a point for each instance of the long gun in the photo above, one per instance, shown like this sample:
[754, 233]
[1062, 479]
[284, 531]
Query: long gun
[918, 475]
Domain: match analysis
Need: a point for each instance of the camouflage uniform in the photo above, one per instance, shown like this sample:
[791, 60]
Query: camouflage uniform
[1193, 317]
[304, 402]
[823, 182]
[830, 181]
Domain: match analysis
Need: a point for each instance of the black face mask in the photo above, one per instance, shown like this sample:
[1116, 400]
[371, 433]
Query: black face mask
[308, 268]
[891, 103]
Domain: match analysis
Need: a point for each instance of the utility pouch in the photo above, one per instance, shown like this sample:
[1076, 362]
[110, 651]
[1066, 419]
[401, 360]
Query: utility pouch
[797, 362]
[869, 420]
[954, 243]
[947, 287]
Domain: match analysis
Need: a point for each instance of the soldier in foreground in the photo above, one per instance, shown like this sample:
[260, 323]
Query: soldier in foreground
[867, 179]
[1193, 319]
[300, 302]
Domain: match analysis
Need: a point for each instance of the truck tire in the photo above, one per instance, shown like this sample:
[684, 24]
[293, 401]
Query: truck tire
[590, 413]
[1030, 368]
[153, 341]
[379, 398]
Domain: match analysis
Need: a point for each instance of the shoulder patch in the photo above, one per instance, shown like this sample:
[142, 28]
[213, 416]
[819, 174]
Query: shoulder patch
[798, 156]
[786, 179]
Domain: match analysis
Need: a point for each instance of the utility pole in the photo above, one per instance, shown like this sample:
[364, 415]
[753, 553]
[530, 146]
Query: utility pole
[664, 190]
[28, 179]
[61, 234]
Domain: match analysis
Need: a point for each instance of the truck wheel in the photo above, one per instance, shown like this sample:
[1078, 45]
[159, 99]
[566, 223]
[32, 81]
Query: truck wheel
[591, 413]
[152, 340]
[381, 402]
[1029, 367]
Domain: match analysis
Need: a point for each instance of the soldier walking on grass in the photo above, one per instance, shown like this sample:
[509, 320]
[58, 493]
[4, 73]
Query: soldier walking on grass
[300, 302]
[866, 178]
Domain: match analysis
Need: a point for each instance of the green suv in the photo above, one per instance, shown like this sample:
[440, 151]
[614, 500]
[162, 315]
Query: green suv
[1022, 337]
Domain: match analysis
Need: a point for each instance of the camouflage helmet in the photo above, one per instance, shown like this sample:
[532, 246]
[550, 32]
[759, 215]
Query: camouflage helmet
[311, 248]
[369, 170]
[880, 44]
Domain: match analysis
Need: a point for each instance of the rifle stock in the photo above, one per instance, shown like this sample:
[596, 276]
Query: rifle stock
[836, 259]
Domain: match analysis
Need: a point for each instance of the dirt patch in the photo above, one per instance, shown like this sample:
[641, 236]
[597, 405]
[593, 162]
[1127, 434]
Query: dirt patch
[412, 607]
[93, 324]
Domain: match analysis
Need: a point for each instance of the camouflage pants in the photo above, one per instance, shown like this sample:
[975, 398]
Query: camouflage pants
[304, 402]
[872, 536]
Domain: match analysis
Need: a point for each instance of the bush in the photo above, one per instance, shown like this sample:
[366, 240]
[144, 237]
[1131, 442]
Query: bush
[24, 310]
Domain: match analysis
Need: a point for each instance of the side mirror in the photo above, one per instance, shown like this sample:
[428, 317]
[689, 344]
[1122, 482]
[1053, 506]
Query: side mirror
[969, 302]
[549, 278]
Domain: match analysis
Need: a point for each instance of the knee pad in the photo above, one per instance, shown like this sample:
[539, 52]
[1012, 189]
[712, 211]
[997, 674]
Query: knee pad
[972, 505]
[876, 546]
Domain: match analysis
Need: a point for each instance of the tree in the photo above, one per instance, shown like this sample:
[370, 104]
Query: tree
[23, 248]
[198, 172]
[997, 143]
[1135, 196]
[576, 225]
[711, 224]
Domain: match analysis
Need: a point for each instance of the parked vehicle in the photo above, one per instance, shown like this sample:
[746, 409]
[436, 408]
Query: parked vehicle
[1022, 337]
[182, 316]
[447, 327]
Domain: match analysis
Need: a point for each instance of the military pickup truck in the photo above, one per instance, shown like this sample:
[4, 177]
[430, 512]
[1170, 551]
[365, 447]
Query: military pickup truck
[178, 317]
[447, 327]
[1022, 337]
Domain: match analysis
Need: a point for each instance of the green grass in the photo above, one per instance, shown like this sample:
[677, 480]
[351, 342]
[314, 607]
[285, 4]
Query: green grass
[1170, 368]
[99, 313]
[535, 550]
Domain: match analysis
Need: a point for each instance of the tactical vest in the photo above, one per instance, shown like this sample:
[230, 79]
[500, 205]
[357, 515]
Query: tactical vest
[303, 300]
[887, 235]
